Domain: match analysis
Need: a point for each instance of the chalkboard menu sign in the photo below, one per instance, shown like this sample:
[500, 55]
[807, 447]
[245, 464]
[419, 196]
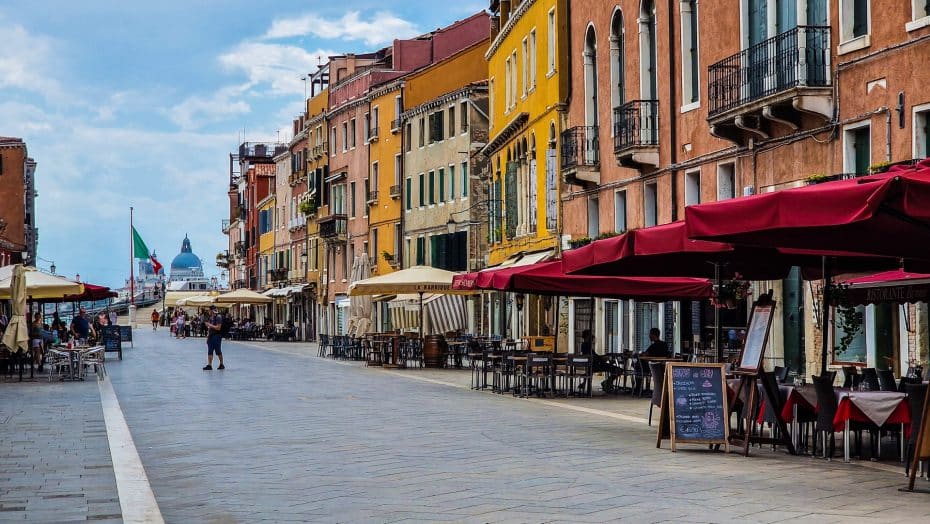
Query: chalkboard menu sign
[760, 322]
[125, 333]
[112, 341]
[694, 404]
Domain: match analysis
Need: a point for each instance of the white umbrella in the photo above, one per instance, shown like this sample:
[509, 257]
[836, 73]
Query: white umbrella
[243, 296]
[39, 285]
[199, 300]
[16, 336]
[360, 305]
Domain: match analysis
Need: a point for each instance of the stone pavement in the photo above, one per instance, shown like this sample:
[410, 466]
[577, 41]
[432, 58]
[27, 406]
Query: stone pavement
[282, 435]
[54, 455]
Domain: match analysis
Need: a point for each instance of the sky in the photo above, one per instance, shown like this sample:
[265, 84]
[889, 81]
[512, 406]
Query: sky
[140, 103]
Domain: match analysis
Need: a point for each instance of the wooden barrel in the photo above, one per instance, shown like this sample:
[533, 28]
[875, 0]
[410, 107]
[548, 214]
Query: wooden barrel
[434, 351]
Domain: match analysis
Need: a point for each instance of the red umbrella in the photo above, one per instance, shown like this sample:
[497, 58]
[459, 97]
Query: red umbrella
[91, 292]
[887, 214]
[888, 287]
[666, 250]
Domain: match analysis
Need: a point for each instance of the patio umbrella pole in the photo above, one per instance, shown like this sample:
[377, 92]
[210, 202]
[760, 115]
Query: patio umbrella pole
[555, 342]
[825, 315]
[717, 343]
[421, 317]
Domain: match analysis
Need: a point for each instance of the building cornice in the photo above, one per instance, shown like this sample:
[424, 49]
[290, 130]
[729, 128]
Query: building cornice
[477, 87]
[506, 30]
[509, 130]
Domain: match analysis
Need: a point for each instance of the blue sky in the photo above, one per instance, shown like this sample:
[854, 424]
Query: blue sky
[139, 104]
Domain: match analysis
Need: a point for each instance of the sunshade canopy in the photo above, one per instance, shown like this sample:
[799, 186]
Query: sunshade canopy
[666, 250]
[890, 286]
[547, 278]
[242, 296]
[416, 279]
[39, 285]
[199, 300]
[887, 214]
[91, 292]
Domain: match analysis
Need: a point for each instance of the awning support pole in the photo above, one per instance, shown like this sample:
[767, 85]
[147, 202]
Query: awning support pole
[825, 315]
[717, 342]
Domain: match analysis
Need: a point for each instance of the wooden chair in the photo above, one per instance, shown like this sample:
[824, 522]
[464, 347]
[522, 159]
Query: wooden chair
[851, 377]
[870, 379]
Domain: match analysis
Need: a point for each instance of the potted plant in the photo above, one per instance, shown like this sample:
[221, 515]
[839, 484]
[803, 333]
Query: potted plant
[731, 292]
[879, 167]
[818, 178]
[575, 243]
[388, 257]
[308, 207]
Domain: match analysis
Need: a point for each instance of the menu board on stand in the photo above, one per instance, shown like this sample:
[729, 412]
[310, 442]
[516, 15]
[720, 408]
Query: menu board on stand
[111, 340]
[694, 405]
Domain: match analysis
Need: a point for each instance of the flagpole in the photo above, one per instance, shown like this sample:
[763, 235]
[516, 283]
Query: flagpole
[132, 270]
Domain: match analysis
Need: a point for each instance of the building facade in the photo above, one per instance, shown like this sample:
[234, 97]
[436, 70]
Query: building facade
[18, 233]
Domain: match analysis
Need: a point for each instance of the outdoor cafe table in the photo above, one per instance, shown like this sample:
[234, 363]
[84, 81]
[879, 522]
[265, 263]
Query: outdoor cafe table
[881, 408]
[76, 357]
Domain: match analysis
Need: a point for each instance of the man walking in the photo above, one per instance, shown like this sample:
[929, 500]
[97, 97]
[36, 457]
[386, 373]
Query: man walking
[154, 319]
[214, 324]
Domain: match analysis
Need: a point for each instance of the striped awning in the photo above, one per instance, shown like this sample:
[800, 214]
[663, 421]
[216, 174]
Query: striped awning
[442, 313]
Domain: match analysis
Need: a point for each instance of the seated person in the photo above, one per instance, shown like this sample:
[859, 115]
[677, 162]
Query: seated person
[658, 349]
[599, 363]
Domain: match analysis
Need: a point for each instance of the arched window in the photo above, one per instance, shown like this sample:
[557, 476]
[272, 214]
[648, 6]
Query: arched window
[647, 51]
[617, 72]
[533, 197]
[590, 77]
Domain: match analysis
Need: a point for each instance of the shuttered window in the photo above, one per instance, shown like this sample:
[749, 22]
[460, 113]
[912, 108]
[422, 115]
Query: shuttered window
[511, 199]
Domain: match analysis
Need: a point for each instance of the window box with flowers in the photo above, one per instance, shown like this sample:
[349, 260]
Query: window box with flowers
[307, 207]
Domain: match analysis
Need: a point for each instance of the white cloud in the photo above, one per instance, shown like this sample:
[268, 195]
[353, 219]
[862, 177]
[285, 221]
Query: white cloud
[28, 63]
[196, 111]
[383, 27]
[278, 66]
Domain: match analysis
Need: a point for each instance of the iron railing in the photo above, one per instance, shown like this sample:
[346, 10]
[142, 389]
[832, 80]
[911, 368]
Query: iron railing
[636, 124]
[396, 124]
[277, 275]
[580, 147]
[799, 57]
[373, 134]
[395, 191]
[319, 150]
[372, 197]
[333, 227]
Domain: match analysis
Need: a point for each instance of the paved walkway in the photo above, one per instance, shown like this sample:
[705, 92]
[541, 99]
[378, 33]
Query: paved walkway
[282, 435]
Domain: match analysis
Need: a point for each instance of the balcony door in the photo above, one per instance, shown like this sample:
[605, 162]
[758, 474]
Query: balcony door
[647, 45]
[818, 44]
[758, 32]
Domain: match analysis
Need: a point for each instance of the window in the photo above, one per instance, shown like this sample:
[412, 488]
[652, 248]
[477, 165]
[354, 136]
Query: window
[422, 122]
[647, 51]
[857, 152]
[689, 52]
[332, 146]
[854, 23]
[726, 181]
[436, 128]
[373, 125]
[693, 188]
[352, 199]
[920, 15]
[594, 225]
[422, 189]
[397, 169]
[374, 177]
[507, 85]
[368, 127]
[651, 204]
[349, 258]
[856, 351]
[345, 137]
[398, 108]
[922, 131]
[409, 193]
[620, 211]
[421, 251]
[590, 78]
[353, 133]
[409, 138]
[464, 179]
[532, 63]
[408, 252]
[442, 185]
[463, 116]
[525, 49]
[374, 246]
[451, 121]
[451, 182]
[551, 36]
[513, 79]
[432, 187]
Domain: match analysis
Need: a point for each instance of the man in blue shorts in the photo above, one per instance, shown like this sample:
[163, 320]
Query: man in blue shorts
[214, 323]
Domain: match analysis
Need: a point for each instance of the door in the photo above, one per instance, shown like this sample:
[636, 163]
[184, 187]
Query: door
[612, 335]
[818, 43]
[647, 317]
[583, 309]
[757, 55]
[793, 320]
[786, 45]
[886, 337]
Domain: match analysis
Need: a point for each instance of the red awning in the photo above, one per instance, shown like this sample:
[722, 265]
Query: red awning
[666, 250]
[891, 286]
[465, 281]
[547, 278]
[887, 214]
[91, 292]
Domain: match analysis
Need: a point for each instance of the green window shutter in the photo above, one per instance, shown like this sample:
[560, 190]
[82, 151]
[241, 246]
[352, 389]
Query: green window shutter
[409, 193]
[422, 190]
[511, 197]
[464, 179]
[432, 187]
[442, 185]
[451, 183]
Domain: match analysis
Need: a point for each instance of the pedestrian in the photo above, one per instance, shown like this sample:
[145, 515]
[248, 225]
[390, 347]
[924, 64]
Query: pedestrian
[154, 319]
[214, 325]
[179, 327]
[113, 317]
[81, 328]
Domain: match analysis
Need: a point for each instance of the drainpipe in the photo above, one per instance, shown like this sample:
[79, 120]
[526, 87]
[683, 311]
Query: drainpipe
[672, 121]
[403, 152]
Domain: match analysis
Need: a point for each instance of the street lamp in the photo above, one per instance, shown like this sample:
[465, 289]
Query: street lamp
[520, 298]
[52, 268]
[450, 225]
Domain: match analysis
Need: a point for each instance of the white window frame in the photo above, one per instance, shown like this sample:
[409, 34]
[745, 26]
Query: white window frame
[525, 50]
[592, 215]
[920, 111]
[353, 128]
[690, 176]
[398, 109]
[849, 152]
[398, 176]
[345, 136]
[917, 20]
[651, 189]
[513, 80]
[507, 88]
[848, 42]
[551, 36]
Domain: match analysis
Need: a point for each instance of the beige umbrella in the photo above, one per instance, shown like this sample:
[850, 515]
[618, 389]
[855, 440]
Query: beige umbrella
[242, 296]
[39, 285]
[199, 300]
[416, 279]
[16, 336]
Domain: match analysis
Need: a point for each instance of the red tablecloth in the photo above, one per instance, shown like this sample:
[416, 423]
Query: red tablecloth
[847, 410]
[796, 398]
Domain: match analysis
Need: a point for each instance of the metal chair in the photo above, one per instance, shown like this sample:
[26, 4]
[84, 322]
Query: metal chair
[580, 367]
[870, 379]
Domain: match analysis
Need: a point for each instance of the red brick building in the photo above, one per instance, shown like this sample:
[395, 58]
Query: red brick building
[18, 234]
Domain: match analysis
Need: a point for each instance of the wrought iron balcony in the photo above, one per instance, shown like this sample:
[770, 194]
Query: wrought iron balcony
[395, 191]
[773, 80]
[372, 197]
[373, 134]
[239, 249]
[333, 228]
[396, 124]
[636, 132]
[581, 153]
[319, 150]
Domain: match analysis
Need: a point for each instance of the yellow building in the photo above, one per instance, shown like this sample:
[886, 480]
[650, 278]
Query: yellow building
[528, 77]
[266, 238]
[384, 177]
[317, 169]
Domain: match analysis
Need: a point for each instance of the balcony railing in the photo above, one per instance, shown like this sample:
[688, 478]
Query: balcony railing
[277, 275]
[297, 222]
[319, 150]
[799, 57]
[372, 197]
[395, 191]
[580, 147]
[636, 124]
[333, 227]
[395, 125]
[373, 134]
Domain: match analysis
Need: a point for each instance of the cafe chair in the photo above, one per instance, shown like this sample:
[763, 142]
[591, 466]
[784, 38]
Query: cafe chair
[781, 373]
[658, 378]
[324, 345]
[57, 362]
[95, 358]
[915, 400]
[826, 412]
[870, 379]
[886, 380]
[580, 368]
[851, 377]
[538, 373]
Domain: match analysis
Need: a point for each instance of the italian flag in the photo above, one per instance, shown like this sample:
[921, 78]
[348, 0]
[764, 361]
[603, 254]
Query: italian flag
[142, 251]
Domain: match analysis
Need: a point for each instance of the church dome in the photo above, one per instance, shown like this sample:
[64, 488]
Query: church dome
[186, 259]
